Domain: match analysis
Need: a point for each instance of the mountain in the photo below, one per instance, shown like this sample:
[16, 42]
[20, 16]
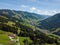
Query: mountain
[19, 23]
[12, 16]
[25, 16]
[52, 24]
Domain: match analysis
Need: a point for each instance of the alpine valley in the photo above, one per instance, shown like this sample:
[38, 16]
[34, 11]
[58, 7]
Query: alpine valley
[31, 28]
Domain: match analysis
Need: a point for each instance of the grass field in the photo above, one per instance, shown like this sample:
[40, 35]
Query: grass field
[4, 39]
[22, 39]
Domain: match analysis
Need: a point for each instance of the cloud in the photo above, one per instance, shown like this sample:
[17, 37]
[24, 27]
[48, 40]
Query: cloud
[50, 12]
[38, 11]
[24, 6]
[44, 12]
[47, 12]
[32, 9]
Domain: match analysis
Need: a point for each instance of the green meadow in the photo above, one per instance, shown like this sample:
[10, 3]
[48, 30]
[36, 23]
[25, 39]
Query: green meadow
[4, 39]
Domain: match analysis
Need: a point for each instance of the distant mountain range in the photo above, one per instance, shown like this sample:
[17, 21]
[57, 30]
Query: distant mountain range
[23, 16]
[25, 24]
[16, 18]
[52, 24]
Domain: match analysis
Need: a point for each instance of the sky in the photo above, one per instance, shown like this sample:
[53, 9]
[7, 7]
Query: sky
[44, 7]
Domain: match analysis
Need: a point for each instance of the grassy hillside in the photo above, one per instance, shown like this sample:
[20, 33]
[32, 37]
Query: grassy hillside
[4, 39]
[23, 38]
[17, 22]
[22, 16]
[52, 24]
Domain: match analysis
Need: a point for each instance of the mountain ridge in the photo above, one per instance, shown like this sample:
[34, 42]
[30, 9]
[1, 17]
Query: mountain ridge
[51, 23]
[11, 21]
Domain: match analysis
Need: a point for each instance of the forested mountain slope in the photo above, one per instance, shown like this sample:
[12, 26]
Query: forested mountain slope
[19, 23]
[52, 24]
